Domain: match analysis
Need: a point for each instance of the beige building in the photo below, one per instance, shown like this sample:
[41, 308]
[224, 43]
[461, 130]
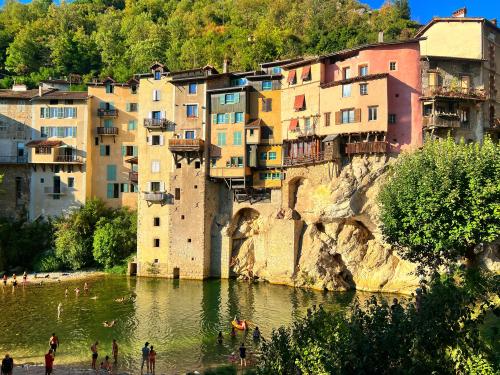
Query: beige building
[15, 132]
[114, 123]
[58, 152]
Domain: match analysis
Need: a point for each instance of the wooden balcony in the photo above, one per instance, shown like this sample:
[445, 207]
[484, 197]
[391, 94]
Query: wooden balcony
[303, 159]
[101, 130]
[159, 123]
[441, 121]
[157, 197]
[454, 93]
[13, 159]
[133, 177]
[375, 147]
[50, 190]
[70, 159]
[229, 172]
[107, 112]
[185, 145]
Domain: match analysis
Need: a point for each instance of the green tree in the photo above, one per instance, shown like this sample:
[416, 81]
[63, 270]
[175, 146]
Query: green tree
[115, 238]
[443, 201]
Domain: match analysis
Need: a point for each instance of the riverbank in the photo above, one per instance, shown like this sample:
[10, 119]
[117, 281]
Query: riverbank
[56, 277]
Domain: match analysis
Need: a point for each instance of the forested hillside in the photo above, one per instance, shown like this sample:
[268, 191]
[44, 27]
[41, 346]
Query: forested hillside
[122, 37]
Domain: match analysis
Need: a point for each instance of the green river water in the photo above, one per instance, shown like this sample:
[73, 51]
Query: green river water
[181, 318]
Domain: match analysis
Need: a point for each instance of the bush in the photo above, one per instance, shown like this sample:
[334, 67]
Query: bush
[47, 262]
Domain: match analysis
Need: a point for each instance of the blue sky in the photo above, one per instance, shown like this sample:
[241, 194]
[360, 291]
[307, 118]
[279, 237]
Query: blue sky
[423, 10]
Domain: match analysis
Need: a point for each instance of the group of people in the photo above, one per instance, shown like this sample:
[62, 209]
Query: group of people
[148, 357]
[5, 279]
[106, 364]
[242, 349]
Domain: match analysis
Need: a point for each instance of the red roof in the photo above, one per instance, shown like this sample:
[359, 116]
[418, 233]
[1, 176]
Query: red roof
[43, 143]
[294, 123]
[299, 102]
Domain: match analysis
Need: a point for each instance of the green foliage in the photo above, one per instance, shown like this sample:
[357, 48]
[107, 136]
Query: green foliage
[120, 38]
[115, 238]
[441, 336]
[47, 262]
[442, 201]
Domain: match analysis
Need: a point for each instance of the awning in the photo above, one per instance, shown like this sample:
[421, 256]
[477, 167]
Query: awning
[306, 72]
[294, 123]
[254, 123]
[43, 143]
[330, 137]
[291, 76]
[134, 160]
[299, 102]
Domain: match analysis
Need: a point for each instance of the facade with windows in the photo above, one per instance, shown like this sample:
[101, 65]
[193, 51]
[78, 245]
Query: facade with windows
[59, 152]
[114, 149]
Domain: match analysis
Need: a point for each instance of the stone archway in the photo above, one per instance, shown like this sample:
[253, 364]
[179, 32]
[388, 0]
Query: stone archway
[244, 228]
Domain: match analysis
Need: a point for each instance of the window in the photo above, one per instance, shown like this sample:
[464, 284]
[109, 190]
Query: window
[229, 98]
[189, 134]
[220, 118]
[263, 156]
[132, 107]
[58, 112]
[128, 151]
[53, 101]
[392, 65]
[156, 140]
[155, 186]
[124, 188]
[156, 242]
[156, 221]
[306, 73]
[42, 180]
[363, 70]
[156, 95]
[113, 190]
[108, 123]
[266, 132]
[363, 89]
[132, 125]
[372, 113]
[238, 82]
[177, 194]
[192, 110]
[347, 116]
[221, 139]
[292, 77]
[133, 89]
[267, 85]
[197, 165]
[307, 123]
[267, 105]
[238, 117]
[133, 188]
[213, 162]
[111, 172]
[71, 182]
[392, 118]
[109, 88]
[157, 75]
[155, 166]
[193, 88]
[272, 155]
[105, 150]
[327, 118]
[346, 73]
[237, 161]
[299, 103]
[346, 91]
[276, 70]
[237, 138]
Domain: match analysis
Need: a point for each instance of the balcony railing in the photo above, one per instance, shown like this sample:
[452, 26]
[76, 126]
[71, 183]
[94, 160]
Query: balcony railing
[185, 144]
[133, 177]
[101, 130]
[304, 159]
[454, 92]
[68, 159]
[107, 112]
[374, 147]
[441, 121]
[158, 197]
[50, 190]
[13, 159]
[159, 123]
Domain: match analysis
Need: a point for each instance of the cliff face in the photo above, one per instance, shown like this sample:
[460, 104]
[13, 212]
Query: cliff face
[339, 245]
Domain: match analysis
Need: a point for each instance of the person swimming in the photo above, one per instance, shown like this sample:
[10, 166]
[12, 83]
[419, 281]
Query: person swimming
[85, 287]
[59, 309]
[77, 292]
[66, 292]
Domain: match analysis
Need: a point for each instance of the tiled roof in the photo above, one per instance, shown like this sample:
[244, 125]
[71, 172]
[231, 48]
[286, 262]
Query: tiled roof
[13, 94]
[62, 95]
[43, 143]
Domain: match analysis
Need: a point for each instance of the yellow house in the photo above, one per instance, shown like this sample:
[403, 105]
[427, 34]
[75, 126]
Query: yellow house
[114, 122]
[58, 152]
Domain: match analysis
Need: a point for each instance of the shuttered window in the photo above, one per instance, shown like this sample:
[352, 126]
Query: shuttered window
[132, 125]
[237, 138]
[294, 124]
[299, 103]
[292, 77]
[221, 139]
[111, 172]
[327, 118]
[267, 105]
[306, 73]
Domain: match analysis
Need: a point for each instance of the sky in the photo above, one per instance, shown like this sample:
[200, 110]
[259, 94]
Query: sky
[423, 10]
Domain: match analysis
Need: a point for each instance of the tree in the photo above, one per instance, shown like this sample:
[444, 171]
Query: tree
[443, 201]
[115, 238]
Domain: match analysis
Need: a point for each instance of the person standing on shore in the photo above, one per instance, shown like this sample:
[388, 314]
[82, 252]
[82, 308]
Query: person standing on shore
[25, 278]
[49, 362]
[243, 355]
[7, 365]
[115, 350]
[93, 348]
[85, 288]
[54, 343]
[152, 360]
[4, 279]
[145, 357]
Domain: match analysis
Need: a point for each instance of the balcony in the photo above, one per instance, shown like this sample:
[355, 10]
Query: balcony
[72, 159]
[185, 145]
[101, 130]
[107, 112]
[50, 190]
[133, 177]
[303, 159]
[448, 120]
[13, 159]
[375, 147]
[454, 93]
[159, 123]
[158, 197]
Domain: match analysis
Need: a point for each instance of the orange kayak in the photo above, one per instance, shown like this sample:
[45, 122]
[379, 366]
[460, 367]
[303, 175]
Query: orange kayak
[242, 326]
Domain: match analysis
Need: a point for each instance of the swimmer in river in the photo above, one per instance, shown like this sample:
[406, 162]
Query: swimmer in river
[95, 297]
[4, 279]
[59, 309]
[77, 292]
[85, 287]
[66, 292]
[122, 299]
[108, 324]
[25, 278]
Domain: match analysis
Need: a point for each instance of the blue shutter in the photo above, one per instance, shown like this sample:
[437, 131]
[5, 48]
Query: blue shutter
[128, 107]
[125, 187]
[236, 97]
[226, 118]
[110, 191]
[222, 99]
[134, 150]
[124, 150]
[111, 172]
[103, 150]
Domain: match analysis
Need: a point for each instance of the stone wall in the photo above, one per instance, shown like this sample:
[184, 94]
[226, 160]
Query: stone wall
[14, 190]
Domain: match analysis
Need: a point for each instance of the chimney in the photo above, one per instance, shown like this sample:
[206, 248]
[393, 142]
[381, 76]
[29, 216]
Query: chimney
[225, 66]
[19, 87]
[494, 21]
[40, 92]
[381, 37]
[460, 13]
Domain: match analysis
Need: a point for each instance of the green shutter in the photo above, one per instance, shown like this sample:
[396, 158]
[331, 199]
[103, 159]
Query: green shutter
[236, 97]
[110, 190]
[132, 125]
[111, 172]
[134, 150]
[214, 119]
[103, 150]
[102, 105]
[226, 118]
[128, 107]
[222, 99]
[125, 188]
[124, 150]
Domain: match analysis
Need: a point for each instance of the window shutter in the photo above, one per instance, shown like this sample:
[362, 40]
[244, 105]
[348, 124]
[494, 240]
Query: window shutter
[161, 140]
[111, 172]
[222, 99]
[128, 107]
[102, 105]
[110, 191]
[125, 188]
[163, 114]
[162, 186]
[124, 150]
[232, 118]
[357, 115]
[103, 150]
[214, 119]
[148, 186]
[149, 140]
[237, 97]
[154, 94]
[150, 115]
[134, 150]
[226, 118]
[338, 116]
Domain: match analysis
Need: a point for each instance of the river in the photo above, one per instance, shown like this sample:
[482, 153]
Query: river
[180, 318]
